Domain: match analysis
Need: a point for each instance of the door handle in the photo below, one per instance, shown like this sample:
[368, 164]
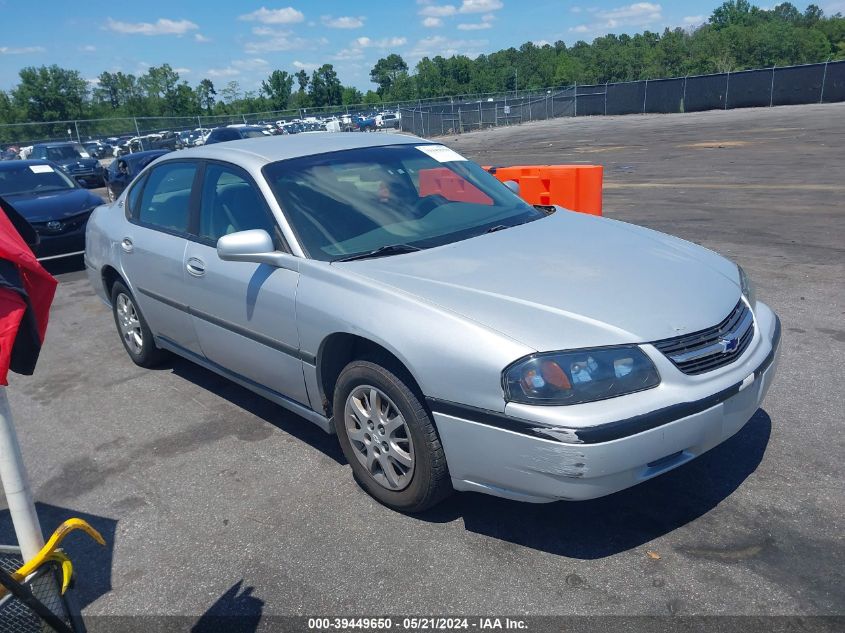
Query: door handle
[195, 267]
[126, 245]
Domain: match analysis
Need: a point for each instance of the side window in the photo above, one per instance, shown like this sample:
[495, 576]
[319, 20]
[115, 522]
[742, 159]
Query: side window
[165, 199]
[230, 203]
[133, 196]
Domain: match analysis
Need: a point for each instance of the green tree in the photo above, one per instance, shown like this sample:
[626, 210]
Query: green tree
[49, 93]
[326, 88]
[351, 96]
[277, 87]
[205, 94]
[387, 70]
[232, 92]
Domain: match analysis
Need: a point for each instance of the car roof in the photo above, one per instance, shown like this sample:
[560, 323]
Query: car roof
[56, 144]
[257, 152]
[7, 165]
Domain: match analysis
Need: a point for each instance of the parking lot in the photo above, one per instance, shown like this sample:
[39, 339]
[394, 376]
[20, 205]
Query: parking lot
[204, 490]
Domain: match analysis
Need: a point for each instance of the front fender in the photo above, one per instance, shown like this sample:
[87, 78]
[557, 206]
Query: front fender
[451, 357]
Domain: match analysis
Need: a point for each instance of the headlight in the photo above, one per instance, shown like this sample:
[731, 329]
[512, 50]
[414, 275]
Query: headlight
[556, 378]
[747, 286]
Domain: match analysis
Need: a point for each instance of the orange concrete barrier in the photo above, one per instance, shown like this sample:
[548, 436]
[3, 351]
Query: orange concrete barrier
[574, 187]
[443, 181]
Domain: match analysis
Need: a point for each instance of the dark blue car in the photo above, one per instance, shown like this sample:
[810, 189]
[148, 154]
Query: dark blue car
[74, 160]
[124, 169]
[52, 202]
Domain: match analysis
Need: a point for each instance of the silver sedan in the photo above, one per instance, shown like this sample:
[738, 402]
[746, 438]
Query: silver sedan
[454, 337]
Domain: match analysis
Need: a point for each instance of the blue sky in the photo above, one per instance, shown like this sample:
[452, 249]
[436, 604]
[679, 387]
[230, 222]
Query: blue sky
[245, 40]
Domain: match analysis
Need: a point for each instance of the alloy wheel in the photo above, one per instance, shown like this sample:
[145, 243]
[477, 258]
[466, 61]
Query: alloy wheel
[129, 323]
[380, 437]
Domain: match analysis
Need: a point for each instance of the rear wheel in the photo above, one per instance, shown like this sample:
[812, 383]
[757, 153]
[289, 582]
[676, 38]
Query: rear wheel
[388, 438]
[134, 332]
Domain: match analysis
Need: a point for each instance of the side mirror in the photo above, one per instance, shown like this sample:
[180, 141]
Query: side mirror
[512, 185]
[254, 246]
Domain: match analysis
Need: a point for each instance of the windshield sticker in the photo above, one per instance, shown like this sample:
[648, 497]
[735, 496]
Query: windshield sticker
[85, 154]
[440, 153]
[41, 169]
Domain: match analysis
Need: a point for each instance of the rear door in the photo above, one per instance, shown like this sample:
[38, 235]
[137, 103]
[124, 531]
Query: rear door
[243, 313]
[152, 249]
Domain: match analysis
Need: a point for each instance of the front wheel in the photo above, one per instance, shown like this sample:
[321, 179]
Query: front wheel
[134, 332]
[389, 439]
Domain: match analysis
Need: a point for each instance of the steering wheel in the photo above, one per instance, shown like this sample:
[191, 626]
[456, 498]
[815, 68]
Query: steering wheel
[427, 204]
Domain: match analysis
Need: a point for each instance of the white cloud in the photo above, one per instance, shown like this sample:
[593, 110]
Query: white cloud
[639, 14]
[432, 23]
[348, 54]
[162, 26]
[541, 43]
[486, 23]
[276, 40]
[694, 20]
[480, 6]
[199, 37]
[387, 42]
[88, 48]
[286, 15]
[223, 72]
[440, 45]
[23, 50]
[438, 10]
[182, 71]
[304, 65]
[343, 22]
[236, 67]
[249, 63]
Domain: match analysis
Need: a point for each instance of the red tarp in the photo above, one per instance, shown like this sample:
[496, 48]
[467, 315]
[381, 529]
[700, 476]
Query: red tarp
[26, 292]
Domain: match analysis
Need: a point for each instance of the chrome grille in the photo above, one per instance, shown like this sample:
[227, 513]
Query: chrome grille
[714, 347]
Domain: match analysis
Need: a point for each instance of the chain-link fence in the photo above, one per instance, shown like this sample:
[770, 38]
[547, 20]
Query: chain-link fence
[811, 83]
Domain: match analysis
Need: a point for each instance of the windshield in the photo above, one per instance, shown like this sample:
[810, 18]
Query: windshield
[252, 132]
[63, 152]
[32, 179]
[356, 201]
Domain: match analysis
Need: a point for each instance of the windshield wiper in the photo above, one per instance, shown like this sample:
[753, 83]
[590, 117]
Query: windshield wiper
[498, 227]
[390, 249]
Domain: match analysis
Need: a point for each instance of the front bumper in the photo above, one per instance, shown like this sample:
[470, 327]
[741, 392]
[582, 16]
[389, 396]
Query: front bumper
[65, 241]
[533, 461]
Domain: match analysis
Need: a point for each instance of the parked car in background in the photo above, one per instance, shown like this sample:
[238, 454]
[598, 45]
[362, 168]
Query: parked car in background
[387, 120]
[163, 140]
[123, 170]
[56, 206]
[365, 124]
[98, 149]
[74, 160]
[452, 335]
[10, 153]
[234, 133]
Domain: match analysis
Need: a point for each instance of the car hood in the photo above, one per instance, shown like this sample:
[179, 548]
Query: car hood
[568, 281]
[53, 205]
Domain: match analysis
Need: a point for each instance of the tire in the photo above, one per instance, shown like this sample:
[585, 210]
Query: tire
[134, 332]
[426, 481]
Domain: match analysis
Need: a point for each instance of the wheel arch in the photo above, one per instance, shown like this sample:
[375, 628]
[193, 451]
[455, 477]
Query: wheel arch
[110, 275]
[339, 349]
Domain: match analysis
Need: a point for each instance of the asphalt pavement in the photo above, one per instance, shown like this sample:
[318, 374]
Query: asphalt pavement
[212, 498]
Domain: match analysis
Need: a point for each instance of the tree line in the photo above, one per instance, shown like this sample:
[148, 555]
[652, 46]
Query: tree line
[737, 36]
